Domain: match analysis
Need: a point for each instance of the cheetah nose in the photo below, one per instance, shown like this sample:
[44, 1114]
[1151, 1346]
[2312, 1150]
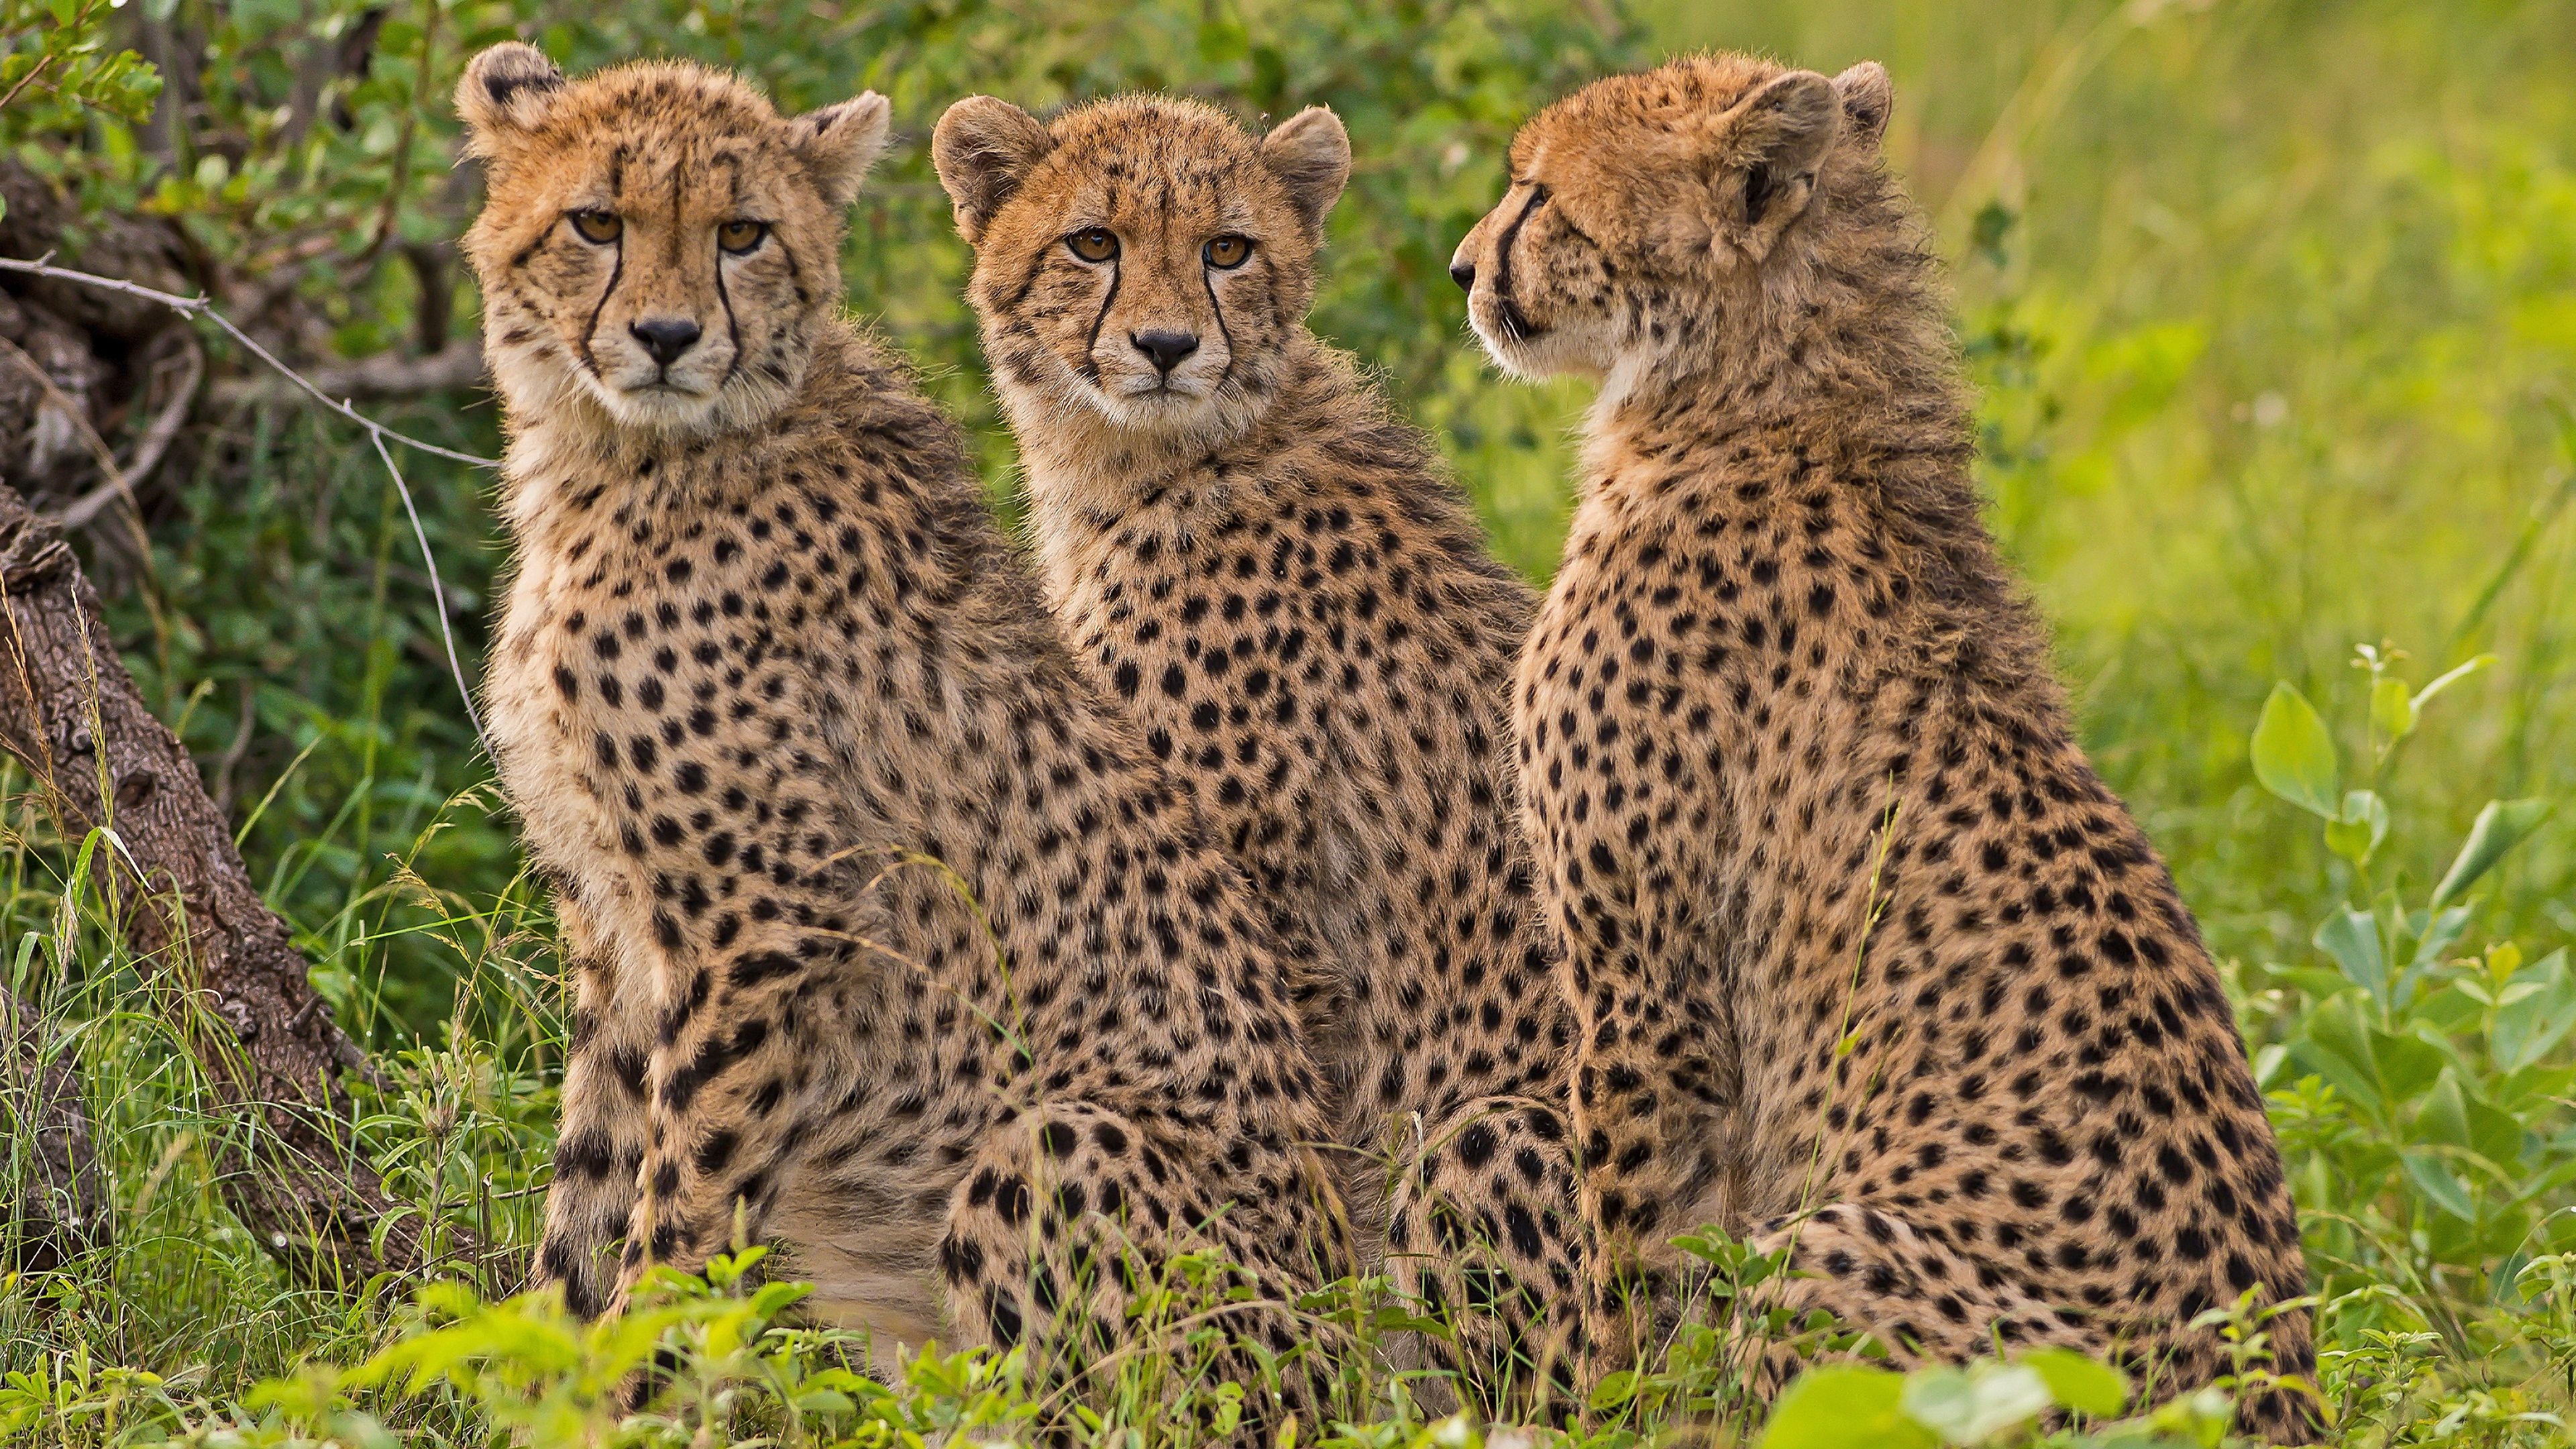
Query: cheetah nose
[1166, 348]
[1464, 274]
[666, 338]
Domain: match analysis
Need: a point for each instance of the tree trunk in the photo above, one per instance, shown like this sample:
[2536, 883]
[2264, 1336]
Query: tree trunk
[269, 1046]
[56, 1209]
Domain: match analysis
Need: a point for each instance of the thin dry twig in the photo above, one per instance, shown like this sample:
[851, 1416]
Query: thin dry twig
[199, 306]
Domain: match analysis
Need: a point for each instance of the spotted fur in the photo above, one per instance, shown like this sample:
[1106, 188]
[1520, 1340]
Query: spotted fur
[1292, 600]
[893, 945]
[1868, 964]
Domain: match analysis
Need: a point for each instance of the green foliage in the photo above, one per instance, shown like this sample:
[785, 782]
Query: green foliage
[58, 67]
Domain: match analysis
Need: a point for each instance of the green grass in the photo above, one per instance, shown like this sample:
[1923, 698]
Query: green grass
[2273, 306]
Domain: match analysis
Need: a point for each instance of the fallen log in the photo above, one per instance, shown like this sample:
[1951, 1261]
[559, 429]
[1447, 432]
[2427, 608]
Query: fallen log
[271, 1051]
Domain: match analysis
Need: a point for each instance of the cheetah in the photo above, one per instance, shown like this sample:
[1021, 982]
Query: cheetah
[1868, 965]
[1281, 585]
[894, 946]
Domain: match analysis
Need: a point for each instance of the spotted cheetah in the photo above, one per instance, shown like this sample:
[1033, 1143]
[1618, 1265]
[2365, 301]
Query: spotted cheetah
[1867, 963]
[1293, 601]
[894, 945]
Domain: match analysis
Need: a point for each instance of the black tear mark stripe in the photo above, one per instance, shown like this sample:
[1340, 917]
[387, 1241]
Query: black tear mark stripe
[1514, 320]
[724, 298]
[1207, 279]
[1090, 365]
[617, 269]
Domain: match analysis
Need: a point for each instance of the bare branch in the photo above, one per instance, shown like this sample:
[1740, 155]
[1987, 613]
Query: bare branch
[199, 307]
[457, 365]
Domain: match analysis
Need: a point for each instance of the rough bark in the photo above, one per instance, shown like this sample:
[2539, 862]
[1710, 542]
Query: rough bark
[71, 714]
[55, 1208]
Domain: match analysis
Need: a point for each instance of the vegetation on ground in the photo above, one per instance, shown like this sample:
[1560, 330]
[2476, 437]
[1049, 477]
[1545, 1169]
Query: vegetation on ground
[2272, 306]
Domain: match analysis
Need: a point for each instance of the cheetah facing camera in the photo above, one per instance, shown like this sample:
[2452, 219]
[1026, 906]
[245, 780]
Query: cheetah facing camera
[1297, 608]
[1781, 643]
[781, 715]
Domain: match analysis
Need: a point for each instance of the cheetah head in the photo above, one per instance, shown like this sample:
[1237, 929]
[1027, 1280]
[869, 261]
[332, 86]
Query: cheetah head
[1646, 210]
[656, 238]
[1143, 260]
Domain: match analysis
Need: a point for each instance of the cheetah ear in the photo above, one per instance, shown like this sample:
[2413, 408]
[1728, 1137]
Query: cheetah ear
[1770, 145]
[840, 142]
[983, 149]
[1869, 97]
[1312, 153]
[507, 90]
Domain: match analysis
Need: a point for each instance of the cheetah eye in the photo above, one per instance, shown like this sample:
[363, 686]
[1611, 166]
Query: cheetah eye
[739, 237]
[1093, 243]
[1227, 252]
[598, 227]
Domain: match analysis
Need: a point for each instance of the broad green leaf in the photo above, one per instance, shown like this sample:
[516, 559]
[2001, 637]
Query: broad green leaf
[2444, 1117]
[2351, 938]
[2434, 1177]
[1845, 1406]
[2500, 827]
[2407, 1064]
[2294, 757]
[2392, 709]
[2359, 829]
[2527, 1026]
[1614, 1389]
[2437, 933]
[2336, 1046]
[1970, 1406]
[2088, 1386]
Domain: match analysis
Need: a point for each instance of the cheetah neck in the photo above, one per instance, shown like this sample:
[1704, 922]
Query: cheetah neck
[1851, 410]
[1089, 480]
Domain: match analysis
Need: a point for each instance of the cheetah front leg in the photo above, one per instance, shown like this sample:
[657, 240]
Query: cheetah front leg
[599, 1145]
[1485, 1231]
[728, 1079]
[1649, 1130]
[1064, 1237]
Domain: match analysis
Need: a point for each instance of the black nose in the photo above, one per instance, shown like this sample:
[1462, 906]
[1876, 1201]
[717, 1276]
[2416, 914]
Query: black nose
[1166, 348]
[1464, 274]
[666, 338]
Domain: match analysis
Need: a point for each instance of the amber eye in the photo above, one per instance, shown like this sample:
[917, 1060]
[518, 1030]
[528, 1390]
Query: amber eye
[601, 227]
[1227, 252]
[1094, 243]
[739, 237]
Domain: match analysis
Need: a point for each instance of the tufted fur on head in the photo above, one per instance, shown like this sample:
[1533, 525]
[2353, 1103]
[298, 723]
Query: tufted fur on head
[1671, 219]
[658, 242]
[1141, 262]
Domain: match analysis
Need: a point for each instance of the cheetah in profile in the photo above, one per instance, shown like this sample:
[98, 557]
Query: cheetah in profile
[894, 946]
[1867, 963]
[1292, 600]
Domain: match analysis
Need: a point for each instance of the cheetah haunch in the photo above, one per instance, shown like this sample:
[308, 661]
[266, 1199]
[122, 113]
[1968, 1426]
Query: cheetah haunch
[1797, 775]
[1297, 608]
[892, 944]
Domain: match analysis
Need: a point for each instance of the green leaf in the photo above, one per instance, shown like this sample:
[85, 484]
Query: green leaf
[2528, 1025]
[2444, 1117]
[2336, 1046]
[2357, 831]
[2351, 938]
[1614, 1389]
[2500, 827]
[2088, 1386]
[2392, 709]
[2294, 757]
[2435, 1179]
[1970, 1406]
[1845, 1406]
